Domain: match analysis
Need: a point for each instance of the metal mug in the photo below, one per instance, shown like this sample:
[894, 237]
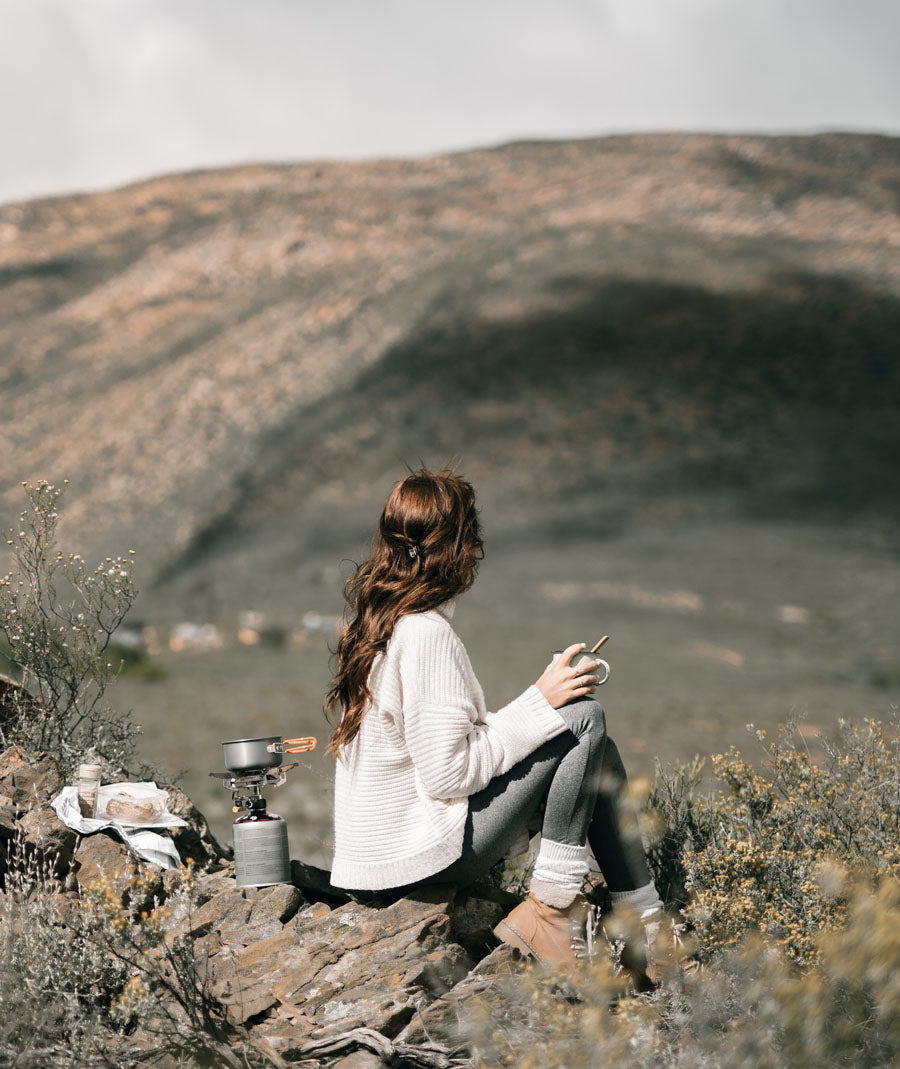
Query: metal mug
[579, 658]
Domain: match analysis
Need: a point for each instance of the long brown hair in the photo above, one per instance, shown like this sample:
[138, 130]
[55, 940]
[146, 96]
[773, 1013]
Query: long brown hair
[426, 551]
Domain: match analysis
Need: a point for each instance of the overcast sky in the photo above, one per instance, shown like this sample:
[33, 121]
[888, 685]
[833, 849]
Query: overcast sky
[96, 93]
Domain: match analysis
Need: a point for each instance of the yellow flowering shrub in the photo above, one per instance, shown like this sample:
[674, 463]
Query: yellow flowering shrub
[82, 976]
[789, 876]
[762, 851]
[750, 1006]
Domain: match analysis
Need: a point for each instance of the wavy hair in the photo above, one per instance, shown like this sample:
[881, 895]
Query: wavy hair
[425, 552]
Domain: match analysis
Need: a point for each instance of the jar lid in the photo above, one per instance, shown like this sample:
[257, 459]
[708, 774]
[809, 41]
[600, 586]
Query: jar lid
[89, 771]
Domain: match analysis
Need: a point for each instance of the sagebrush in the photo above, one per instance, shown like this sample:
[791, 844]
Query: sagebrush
[768, 851]
[785, 884]
[57, 618]
[105, 978]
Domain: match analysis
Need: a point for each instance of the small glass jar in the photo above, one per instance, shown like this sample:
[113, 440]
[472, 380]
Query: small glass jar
[88, 789]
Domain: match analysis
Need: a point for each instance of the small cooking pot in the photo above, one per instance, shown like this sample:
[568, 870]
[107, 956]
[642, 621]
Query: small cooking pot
[248, 755]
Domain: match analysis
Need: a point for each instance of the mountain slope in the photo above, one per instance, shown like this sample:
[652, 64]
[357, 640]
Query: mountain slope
[232, 367]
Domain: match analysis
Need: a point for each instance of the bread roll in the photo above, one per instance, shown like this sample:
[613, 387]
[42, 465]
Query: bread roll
[127, 807]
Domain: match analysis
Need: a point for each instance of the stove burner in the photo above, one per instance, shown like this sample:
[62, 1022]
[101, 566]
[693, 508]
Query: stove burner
[247, 787]
[253, 781]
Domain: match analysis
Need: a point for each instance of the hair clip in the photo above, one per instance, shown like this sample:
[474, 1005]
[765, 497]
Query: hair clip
[413, 551]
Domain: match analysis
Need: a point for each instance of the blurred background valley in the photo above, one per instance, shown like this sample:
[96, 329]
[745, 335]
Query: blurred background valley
[667, 362]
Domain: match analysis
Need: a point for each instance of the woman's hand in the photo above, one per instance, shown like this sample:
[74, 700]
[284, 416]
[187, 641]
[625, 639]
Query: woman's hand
[561, 682]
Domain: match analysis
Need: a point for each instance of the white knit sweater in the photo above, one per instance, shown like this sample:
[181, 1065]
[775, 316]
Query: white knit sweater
[426, 743]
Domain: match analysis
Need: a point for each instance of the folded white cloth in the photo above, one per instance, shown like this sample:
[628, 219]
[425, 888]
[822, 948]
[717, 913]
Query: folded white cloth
[158, 849]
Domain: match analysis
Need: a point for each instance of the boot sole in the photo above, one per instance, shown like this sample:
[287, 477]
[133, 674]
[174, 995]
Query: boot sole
[507, 934]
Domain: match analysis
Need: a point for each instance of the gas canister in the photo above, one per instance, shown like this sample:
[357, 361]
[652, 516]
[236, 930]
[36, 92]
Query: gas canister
[261, 853]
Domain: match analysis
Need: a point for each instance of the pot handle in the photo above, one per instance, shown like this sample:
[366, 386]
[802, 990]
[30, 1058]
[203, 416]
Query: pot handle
[303, 745]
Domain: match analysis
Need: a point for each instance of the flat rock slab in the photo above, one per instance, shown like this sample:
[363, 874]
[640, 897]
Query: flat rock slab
[440, 1021]
[332, 970]
[272, 907]
[208, 885]
[227, 912]
[240, 916]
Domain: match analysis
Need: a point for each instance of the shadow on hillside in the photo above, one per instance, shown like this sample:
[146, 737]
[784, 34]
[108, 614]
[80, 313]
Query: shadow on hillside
[789, 395]
[784, 400]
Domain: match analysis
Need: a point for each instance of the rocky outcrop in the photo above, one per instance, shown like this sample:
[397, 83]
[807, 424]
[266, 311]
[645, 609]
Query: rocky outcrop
[301, 968]
[26, 789]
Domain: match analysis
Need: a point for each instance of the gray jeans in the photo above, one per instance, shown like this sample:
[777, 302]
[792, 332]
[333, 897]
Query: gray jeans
[579, 777]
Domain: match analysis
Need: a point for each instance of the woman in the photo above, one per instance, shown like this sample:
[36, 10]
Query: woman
[430, 787]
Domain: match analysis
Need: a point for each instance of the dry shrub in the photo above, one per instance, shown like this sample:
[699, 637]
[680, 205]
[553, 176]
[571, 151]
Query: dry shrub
[790, 880]
[54, 989]
[86, 980]
[750, 1006]
[760, 854]
[57, 619]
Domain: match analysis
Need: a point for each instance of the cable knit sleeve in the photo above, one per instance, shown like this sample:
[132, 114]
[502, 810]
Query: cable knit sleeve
[455, 749]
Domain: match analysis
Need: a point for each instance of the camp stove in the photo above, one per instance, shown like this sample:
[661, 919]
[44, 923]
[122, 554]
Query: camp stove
[261, 854]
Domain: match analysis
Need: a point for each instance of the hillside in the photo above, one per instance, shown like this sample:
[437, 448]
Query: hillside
[247, 357]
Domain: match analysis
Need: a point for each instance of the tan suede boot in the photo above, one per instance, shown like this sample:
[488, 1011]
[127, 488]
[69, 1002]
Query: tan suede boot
[545, 932]
[660, 952]
[640, 959]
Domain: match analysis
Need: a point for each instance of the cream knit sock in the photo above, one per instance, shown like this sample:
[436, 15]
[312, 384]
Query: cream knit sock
[644, 899]
[559, 873]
